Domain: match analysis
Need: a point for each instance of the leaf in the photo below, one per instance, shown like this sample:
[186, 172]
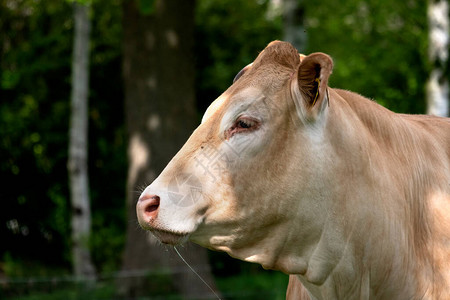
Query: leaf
[147, 7]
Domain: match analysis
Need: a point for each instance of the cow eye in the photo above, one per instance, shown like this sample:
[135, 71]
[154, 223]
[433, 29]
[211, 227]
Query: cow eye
[244, 124]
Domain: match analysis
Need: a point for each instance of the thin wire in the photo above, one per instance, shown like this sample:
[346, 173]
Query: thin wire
[176, 250]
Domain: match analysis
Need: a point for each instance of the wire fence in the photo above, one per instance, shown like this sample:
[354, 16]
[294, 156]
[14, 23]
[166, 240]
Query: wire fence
[100, 277]
[105, 287]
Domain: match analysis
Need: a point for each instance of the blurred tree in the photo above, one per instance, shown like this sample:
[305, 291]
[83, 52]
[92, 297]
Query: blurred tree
[294, 30]
[78, 145]
[107, 138]
[35, 69]
[160, 116]
[437, 85]
[35, 77]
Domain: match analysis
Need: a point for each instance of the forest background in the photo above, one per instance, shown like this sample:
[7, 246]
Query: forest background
[380, 49]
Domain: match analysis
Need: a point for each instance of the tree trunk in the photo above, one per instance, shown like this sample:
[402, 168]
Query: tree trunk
[293, 24]
[437, 85]
[158, 68]
[77, 163]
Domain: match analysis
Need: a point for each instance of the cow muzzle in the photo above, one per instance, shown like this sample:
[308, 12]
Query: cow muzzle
[172, 209]
[148, 209]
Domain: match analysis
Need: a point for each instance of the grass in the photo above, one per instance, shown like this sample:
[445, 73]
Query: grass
[101, 291]
[257, 285]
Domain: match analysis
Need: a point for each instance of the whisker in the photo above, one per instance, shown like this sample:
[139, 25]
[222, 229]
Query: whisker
[140, 188]
[192, 269]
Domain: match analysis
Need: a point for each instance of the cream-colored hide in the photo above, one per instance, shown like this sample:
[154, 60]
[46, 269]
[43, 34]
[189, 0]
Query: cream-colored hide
[348, 197]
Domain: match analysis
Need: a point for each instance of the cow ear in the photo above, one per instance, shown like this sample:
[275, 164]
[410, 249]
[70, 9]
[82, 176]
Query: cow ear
[312, 77]
[302, 56]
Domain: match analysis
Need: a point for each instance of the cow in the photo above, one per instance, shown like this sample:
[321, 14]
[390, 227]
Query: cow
[348, 198]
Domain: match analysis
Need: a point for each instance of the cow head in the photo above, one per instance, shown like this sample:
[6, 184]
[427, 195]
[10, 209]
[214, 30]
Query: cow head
[249, 170]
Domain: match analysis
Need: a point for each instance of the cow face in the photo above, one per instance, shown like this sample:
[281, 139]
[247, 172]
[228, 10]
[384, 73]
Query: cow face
[237, 181]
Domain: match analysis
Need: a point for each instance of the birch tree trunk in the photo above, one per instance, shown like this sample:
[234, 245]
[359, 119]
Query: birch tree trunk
[159, 72]
[437, 85]
[293, 24]
[78, 140]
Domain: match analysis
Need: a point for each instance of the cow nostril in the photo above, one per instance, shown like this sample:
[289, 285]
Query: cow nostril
[151, 208]
[152, 205]
[148, 197]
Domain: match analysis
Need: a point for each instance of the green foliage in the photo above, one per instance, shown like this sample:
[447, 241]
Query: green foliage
[379, 48]
[34, 109]
[243, 280]
[107, 151]
[83, 2]
[229, 35]
[256, 285]
[14, 266]
[70, 292]
[147, 7]
[35, 53]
